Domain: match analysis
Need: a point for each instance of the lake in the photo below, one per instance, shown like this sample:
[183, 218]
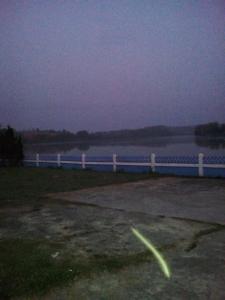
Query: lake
[168, 146]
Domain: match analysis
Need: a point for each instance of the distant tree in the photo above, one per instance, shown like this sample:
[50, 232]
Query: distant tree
[11, 147]
[83, 134]
[210, 129]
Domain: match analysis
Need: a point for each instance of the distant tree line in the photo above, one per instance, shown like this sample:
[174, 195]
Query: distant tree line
[46, 136]
[11, 147]
[210, 129]
[83, 136]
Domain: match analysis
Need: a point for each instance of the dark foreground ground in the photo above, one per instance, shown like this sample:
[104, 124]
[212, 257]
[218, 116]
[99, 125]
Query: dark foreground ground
[79, 245]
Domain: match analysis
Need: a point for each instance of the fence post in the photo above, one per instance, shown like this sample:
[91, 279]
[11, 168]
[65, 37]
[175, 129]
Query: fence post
[37, 159]
[114, 162]
[200, 164]
[83, 156]
[58, 159]
[153, 162]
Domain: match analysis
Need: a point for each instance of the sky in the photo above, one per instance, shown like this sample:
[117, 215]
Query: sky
[103, 65]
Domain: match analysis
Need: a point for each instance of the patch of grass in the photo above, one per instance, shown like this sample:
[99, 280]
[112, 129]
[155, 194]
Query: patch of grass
[30, 184]
[27, 267]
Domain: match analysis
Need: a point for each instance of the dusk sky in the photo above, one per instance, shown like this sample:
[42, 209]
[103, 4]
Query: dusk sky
[102, 65]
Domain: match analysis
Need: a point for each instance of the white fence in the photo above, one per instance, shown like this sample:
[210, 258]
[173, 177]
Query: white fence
[152, 163]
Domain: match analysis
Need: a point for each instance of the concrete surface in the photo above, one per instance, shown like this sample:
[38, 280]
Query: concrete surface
[197, 199]
[184, 218]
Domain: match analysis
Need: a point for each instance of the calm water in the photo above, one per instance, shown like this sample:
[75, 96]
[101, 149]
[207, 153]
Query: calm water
[182, 145]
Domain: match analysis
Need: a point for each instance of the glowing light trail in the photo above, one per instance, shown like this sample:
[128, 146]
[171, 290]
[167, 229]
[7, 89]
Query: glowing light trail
[163, 265]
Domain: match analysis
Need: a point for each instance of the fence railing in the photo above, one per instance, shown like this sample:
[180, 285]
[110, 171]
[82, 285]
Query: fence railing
[153, 162]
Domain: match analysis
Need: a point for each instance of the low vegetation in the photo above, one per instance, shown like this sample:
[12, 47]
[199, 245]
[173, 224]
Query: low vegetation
[19, 185]
[30, 268]
[11, 147]
[27, 267]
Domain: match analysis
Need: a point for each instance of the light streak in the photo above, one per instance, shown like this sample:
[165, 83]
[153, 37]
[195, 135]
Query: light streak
[162, 263]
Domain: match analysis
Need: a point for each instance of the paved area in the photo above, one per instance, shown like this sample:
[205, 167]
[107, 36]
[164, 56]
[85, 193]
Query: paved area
[185, 220]
[196, 199]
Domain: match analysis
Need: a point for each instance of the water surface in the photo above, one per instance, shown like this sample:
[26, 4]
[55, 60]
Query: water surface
[169, 146]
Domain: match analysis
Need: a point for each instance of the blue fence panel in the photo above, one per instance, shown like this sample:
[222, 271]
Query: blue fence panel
[70, 158]
[214, 172]
[101, 168]
[133, 169]
[99, 158]
[133, 159]
[185, 171]
[214, 160]
[177, 159]
[47, 157]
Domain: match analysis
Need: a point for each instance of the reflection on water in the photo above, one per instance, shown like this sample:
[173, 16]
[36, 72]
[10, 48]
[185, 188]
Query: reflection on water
[182, 145]
[212, 143]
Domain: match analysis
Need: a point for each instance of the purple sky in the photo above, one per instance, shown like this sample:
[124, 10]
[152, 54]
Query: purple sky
[101, 65]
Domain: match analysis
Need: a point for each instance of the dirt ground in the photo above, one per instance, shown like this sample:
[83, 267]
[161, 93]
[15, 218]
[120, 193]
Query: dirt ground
[184, 218]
